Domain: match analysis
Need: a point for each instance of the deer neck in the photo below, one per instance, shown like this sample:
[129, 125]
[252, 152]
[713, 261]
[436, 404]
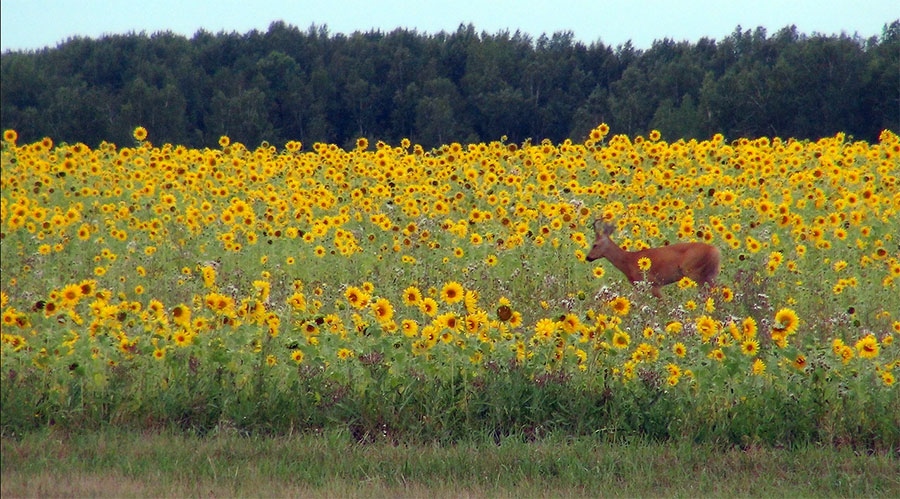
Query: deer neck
[621, 260]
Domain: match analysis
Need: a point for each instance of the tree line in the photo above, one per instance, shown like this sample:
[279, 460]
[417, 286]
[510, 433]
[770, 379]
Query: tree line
[311, 85]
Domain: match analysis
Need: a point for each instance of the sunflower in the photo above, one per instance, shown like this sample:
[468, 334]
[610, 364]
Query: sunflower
[412, 296]
[749, 347]
[297, 356]
[383, 310]
[545, 329]
[209, 276]
[410, 328]
[867, 347]
[182, 338]
[786, 321]
[620, 305]
[10, 135]
[759, 367]
[686, 282]
[452, 292]
[748, 328]
[181, 315]
[621, 339]
[707, 327]
[10, 317]
[428, 306]
[356, 297]
[298, 301]
[70, 295]
[140, 133]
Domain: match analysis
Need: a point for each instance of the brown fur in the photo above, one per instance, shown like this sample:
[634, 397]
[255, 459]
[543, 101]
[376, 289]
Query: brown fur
[668, 264]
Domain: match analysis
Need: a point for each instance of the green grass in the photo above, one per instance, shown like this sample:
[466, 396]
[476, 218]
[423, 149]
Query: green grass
[113, 462]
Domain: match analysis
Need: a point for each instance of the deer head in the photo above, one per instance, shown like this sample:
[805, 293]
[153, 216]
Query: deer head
[602, 242]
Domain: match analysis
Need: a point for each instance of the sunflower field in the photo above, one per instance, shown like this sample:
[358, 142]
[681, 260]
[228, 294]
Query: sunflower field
[404, 293]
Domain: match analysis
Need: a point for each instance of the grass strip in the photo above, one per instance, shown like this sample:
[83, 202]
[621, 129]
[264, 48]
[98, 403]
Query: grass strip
[114, 462]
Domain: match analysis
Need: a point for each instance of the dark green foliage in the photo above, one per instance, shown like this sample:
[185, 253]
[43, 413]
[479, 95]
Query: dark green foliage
[445, 404]
[287, 84]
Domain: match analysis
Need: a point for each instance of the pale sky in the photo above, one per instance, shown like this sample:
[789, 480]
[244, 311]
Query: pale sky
[34, 24]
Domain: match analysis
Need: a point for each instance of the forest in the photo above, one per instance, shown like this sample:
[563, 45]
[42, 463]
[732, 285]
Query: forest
[311, 85]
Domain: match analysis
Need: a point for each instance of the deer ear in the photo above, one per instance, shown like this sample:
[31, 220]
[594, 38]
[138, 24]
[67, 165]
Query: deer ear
[608, 229]
[598, 226]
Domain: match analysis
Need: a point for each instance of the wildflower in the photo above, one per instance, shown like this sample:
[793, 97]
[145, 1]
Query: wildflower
[410, 328]
[140, 133]
[748, 328]
[428, 306]
[787, 320]
[644, 264]
[674, 327]
[70, 296]
[10, 317]
[452, 292]
[356, 297]
[297, 356]
[181, 315]
[182, 338]
[298, 301]
[679, 349]
[345, 354]
[686, 282]
[412, 296]
[209, 276]
[545, 329]
[383, 310]
[620, 305]
[621, 339]
[759, 367]
[750, 347]
[867, 347]
[707, 327]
